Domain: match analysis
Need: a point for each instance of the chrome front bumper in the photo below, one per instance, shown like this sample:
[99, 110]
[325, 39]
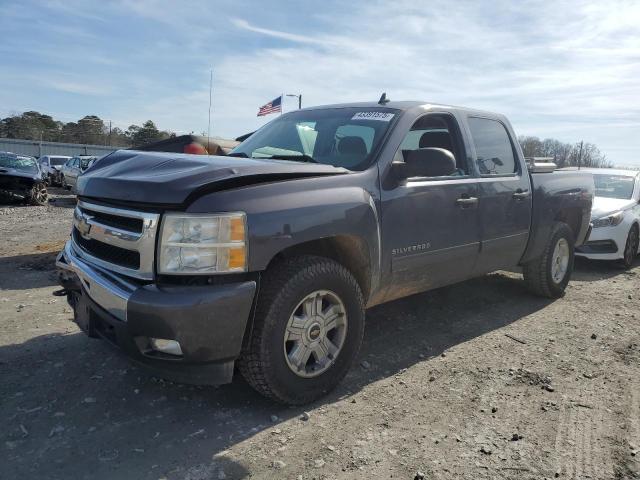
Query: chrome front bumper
[110, 291]
[207, 321]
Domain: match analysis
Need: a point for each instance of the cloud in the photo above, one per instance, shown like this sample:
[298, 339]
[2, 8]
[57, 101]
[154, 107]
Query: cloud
[78, 88]
[243, 24]
[564, 69]
[529, 63]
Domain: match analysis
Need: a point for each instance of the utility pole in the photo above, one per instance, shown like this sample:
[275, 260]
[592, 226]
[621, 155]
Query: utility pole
[109, 132]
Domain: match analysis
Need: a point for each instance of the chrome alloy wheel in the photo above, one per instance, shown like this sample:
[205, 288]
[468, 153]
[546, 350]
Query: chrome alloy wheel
[315, 333]
[41, 195]
[560, 260]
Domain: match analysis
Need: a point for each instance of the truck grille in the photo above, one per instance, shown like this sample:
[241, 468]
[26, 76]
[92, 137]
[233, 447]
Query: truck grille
[124, 223]
[108, 253]
[116, 239]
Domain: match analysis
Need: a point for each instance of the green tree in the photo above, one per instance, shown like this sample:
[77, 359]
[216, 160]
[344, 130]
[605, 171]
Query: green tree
[31, 126]
[147, 133]
[91, 129]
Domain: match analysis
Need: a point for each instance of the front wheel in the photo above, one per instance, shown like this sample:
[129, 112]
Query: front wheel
[549, 274]
[308, 330]
[631, 247]
[37, 195]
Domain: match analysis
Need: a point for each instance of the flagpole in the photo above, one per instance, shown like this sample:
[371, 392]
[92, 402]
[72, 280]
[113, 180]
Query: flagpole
[209, 127]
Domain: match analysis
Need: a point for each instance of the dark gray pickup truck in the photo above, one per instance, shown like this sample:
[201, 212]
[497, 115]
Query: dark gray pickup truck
[268, 258]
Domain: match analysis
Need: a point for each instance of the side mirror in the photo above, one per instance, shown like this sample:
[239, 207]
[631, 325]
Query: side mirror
[426, 162]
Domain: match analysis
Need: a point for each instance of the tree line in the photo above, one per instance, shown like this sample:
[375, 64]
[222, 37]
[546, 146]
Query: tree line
[90, 129]
[565, 154]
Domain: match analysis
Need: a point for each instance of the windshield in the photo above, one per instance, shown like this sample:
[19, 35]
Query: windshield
[614, 186]
[84, 162]
[27, 164]
[56, 161]
[342, 137]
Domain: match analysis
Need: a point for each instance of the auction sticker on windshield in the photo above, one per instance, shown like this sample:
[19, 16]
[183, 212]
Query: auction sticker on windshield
[381, 116]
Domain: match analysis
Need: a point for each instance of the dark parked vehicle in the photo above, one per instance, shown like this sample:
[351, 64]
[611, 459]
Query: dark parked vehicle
[51, 165]
[73, 168]
[22, 179]
[269, 257]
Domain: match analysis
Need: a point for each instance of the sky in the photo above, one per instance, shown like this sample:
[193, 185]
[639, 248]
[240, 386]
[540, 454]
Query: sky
[565, 69]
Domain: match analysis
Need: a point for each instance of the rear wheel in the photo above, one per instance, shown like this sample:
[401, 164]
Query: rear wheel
[631, 247]
[308, 330]
[549, 274]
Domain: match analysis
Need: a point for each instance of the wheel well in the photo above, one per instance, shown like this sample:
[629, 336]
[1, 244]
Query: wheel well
[348, 250]
[573, 218]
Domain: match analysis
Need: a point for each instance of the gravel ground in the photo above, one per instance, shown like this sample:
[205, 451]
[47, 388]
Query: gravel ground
[478, 380]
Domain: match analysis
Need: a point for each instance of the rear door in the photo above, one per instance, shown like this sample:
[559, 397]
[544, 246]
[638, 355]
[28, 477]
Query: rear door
[505, 194]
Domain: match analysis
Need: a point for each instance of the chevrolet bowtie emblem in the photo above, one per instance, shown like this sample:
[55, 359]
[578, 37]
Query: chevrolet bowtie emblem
[83, 225]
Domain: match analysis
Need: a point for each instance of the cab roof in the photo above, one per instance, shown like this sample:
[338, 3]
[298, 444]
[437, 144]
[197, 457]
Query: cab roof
[406, 105]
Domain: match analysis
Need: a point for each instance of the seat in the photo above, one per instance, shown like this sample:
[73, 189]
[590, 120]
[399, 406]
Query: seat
[438, 139]
[352, 146]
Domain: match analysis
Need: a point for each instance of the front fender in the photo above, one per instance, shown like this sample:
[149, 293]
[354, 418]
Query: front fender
[285, 214]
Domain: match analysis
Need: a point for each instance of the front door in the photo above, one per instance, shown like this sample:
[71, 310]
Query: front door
[430, 225]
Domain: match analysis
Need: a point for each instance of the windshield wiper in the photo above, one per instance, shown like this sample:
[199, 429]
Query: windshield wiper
[297, 158]
[238, 154]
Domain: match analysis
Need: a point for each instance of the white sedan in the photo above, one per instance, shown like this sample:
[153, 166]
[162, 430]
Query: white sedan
[615, 217]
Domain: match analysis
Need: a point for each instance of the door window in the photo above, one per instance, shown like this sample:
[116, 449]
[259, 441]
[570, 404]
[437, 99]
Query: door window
[494, 151]
[435, 131]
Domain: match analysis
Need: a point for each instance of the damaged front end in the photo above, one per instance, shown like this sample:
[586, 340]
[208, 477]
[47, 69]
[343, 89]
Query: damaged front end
[21, 180]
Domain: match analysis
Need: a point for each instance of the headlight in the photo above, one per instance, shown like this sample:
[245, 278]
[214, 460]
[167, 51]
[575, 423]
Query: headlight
[609, 221]
[202, 244]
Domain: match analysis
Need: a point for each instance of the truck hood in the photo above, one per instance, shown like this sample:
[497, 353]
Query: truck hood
[603, 206]
[13, 172]
[177, 179]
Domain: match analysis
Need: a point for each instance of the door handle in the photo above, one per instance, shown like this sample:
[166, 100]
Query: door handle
[467, 202]
[521, 194]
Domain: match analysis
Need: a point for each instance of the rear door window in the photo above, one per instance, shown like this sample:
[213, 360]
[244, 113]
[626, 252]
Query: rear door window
[494, 151]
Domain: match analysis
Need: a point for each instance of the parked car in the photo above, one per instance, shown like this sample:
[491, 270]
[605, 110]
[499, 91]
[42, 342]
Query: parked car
[73, 168]
[615, 217]
[269, 257]
[22, 179]
[51, 165]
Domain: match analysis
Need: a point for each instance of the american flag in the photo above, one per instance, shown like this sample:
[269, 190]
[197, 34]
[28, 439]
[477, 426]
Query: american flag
[271, 107]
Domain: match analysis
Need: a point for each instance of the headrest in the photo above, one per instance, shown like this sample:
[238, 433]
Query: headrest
[436, 140]
[352, 146]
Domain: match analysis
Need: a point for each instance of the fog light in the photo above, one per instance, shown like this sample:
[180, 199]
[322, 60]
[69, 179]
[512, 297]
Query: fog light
[170, 347]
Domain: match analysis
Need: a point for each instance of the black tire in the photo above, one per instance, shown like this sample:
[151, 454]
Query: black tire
[37, 195]
[263, 363]
[538, 274]
[631, 247]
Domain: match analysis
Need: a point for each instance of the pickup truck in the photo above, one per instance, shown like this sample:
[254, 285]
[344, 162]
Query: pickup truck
[267, 259]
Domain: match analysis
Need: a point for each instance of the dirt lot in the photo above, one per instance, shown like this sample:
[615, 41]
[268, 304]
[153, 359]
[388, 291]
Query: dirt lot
[479, 380]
